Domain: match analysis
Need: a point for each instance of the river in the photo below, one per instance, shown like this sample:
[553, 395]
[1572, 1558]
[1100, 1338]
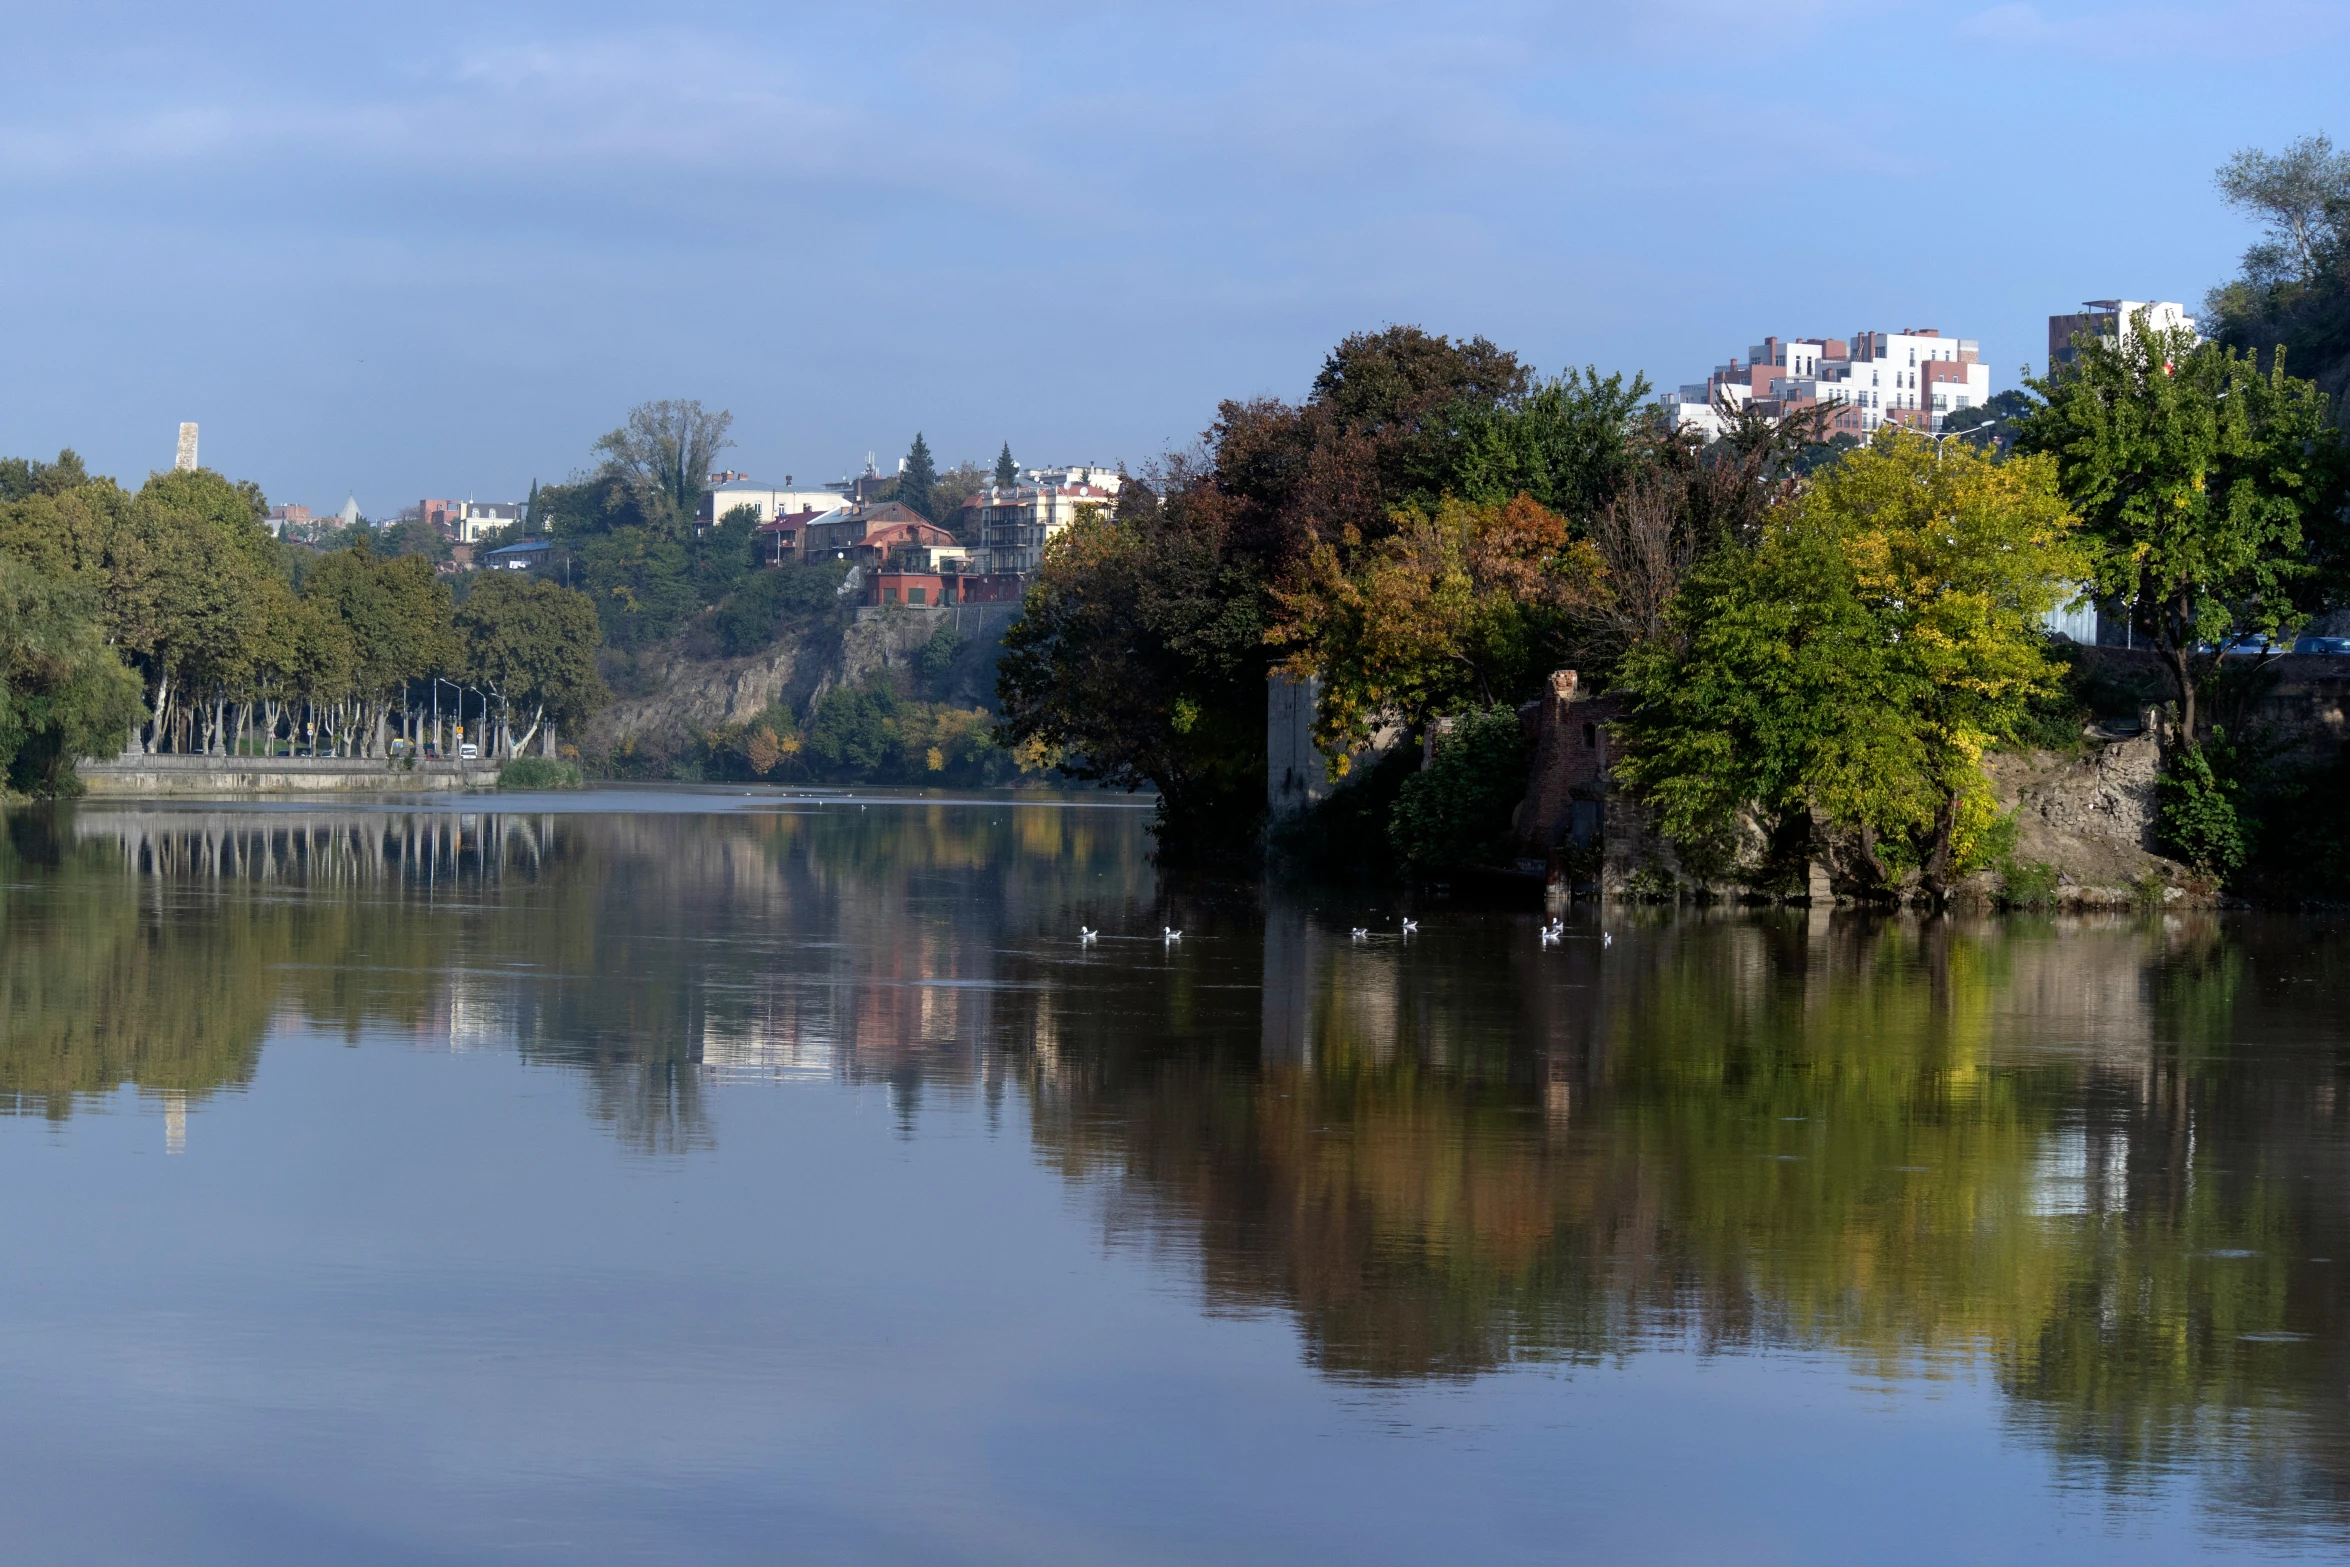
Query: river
[721, 1176]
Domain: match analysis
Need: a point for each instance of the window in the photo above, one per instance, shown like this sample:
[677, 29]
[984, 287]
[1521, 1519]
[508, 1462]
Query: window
[916, 595]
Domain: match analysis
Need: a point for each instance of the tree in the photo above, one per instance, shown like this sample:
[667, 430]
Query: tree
[1857, 661]
[64, 693]
[532, 646]
[1007, 472]
[668, 449]
[1457, 811]
[1568, 443]
[189, 596]
[22, 478]
[1468, 605]
[917, 478]
[1139, 658]
[411, 536]
[2302, 194]
[2206, 482]
[396, 614]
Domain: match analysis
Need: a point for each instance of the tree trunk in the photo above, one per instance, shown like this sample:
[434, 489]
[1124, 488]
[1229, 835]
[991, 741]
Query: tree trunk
[518, 745]
[162, 701]
[1937, 869]
[2182, 675]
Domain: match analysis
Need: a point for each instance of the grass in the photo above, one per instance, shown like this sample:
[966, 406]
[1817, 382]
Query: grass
[539, 772]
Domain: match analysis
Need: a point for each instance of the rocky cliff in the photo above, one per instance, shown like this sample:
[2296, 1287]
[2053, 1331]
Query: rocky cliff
[675, 693]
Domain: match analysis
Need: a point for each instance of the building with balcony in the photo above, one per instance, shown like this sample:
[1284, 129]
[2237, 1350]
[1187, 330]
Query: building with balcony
[1013, 526]
[2113, 318]
[1915, 378]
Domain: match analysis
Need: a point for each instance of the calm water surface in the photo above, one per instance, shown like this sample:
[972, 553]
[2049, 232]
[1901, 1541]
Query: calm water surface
[646, 1177]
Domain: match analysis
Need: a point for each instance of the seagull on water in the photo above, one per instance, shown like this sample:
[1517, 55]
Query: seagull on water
[1411, 927]
[1606, 939]
[1085, 936]
[1360, 932]
[1171, 933]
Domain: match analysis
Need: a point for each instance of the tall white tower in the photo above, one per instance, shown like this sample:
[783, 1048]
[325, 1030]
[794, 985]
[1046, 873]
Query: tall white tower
[186, 461]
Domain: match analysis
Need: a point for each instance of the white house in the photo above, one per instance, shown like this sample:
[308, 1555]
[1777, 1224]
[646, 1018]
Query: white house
[768, 500]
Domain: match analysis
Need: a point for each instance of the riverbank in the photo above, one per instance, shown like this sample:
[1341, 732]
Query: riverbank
[205, 775]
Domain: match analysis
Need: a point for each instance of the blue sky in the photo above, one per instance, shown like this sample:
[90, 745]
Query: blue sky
[437, 248]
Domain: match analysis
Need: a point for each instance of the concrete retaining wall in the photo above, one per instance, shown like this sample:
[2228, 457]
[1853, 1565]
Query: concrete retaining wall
[199, 775]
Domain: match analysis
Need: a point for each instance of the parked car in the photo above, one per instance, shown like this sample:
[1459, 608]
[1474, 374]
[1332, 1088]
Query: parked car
[432, 753]
[2322, 645]
[468, 752]
[2250, 642]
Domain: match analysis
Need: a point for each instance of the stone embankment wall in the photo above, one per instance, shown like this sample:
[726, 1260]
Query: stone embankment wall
[213, 775]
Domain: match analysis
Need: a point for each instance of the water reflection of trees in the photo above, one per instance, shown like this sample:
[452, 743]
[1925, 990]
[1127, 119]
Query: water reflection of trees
[645, 953]
[2093, 1158]
[2088, 1158]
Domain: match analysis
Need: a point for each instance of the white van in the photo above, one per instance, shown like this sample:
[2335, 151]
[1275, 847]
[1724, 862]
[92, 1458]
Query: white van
[469, 752]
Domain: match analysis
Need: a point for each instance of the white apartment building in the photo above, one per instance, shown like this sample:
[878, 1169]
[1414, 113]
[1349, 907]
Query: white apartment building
[2115, 318]
[770, 501]
[1915, 377]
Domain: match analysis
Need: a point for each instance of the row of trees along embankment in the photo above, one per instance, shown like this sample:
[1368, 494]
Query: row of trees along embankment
[173, 614]
[1802, 630]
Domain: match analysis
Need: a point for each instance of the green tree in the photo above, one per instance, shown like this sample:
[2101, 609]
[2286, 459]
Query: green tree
[397, 615]
[532, 646]
[1880, 635]
[642, 583]
[1139, 659]
[1007, 472]
[64, 693]
[668, 449]
[413, 537]
[2302, 194]
[1568, 443]
[22, 478]
[1457, 811]
[2206, 481]
[918, 477]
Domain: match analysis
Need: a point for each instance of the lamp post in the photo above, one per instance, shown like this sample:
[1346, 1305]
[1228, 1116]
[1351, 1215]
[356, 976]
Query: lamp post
[1987, 427]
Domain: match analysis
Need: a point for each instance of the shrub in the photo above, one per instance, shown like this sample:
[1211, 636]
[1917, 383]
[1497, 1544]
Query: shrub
[1457, 811]
[936, 661]
[540, 772]
[2201, 819]
[2026, 884]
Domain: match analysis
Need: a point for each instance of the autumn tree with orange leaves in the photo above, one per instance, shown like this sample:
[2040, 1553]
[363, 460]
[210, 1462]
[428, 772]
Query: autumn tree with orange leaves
[1464, 606]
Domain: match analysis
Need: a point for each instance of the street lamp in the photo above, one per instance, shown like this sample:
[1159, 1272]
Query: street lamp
[1987, 427]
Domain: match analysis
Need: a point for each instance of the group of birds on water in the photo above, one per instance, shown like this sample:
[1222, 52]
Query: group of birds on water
[1552, 934]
